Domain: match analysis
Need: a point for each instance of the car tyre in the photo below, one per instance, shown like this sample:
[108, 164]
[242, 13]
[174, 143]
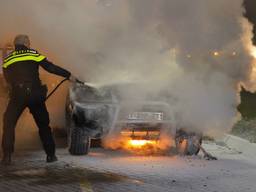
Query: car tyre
[185, 143]
[79, 142]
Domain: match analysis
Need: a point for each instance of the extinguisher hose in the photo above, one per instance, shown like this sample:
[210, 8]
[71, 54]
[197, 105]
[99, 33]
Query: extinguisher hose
[55, 89]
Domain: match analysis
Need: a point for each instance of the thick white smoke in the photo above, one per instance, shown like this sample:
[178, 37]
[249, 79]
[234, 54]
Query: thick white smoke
[192, 50]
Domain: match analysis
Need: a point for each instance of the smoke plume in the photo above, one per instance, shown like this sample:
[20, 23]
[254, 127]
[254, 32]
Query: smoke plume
[193, 54]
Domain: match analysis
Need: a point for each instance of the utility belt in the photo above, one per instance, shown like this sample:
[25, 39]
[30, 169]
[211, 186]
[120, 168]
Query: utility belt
[28, 89]
[24, 86]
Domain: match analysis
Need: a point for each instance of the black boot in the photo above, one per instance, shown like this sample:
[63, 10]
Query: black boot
[7, 159]
[51, 158]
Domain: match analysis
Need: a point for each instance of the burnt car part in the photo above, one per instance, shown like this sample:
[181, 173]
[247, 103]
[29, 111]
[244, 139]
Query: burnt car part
[207, 155]
[87, 119]
[190, 143]
[185, 142]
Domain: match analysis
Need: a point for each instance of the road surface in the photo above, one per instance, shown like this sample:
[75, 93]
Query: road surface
[117, 171]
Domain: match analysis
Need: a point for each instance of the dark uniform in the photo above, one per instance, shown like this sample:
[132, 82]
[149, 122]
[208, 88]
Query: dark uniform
[21, 71]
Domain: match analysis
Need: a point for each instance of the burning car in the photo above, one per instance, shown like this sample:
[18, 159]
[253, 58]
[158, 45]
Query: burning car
[121, 121]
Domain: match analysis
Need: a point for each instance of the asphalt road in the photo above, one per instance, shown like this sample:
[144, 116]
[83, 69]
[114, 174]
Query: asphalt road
[117, 171]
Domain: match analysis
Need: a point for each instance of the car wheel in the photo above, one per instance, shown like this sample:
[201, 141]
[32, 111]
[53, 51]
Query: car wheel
[193, 149]
[185, 143]
[78, 141]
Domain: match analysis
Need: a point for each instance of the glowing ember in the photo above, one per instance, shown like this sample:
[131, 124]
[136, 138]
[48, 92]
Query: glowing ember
[216, 53]
[140, 143]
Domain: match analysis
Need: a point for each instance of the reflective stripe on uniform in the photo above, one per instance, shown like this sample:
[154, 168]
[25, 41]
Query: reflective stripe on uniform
[19, 55]
[22, 57]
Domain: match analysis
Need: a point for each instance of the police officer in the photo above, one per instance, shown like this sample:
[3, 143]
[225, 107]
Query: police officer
[21, 71]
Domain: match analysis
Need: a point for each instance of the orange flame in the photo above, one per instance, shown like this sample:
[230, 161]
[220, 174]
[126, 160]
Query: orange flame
[140, 143]
[140, 146]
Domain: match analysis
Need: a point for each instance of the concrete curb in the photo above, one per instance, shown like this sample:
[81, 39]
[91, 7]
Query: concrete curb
[241, 145]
